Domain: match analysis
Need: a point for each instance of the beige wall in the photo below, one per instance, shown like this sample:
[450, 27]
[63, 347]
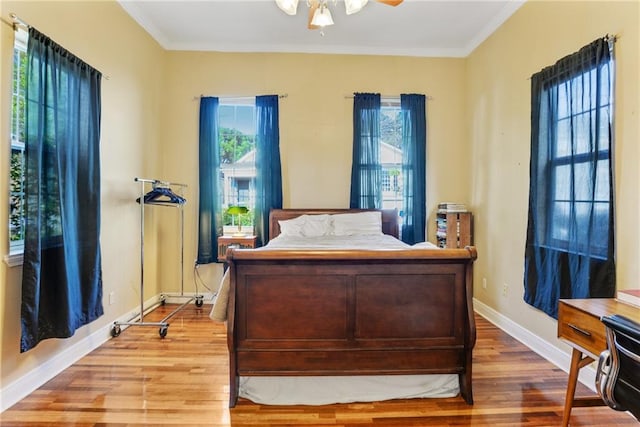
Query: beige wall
[103, 35]
[498, 106]
[315, 121]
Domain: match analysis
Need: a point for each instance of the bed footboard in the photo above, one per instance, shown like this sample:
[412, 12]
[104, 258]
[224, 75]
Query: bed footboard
[351, 313]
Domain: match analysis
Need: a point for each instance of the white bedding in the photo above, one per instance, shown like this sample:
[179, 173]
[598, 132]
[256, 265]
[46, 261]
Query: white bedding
[323, 390]
[363, 242]
[326, 390]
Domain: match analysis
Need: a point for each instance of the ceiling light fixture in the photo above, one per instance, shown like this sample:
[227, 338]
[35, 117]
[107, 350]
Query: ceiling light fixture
[290, 7]
[353, 6]
[319, 13]
[322, 16]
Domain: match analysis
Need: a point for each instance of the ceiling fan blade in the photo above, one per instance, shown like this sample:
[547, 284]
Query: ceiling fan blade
[313, 6]
[390, 2]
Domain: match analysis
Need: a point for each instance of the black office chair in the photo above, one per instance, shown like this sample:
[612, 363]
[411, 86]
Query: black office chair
[618, 374]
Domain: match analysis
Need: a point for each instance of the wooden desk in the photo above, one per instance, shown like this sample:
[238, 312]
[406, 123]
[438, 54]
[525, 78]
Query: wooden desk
[580, 326]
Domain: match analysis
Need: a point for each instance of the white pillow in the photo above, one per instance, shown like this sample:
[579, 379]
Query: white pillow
[306, 226]
[357, 224]
[292, 227]
[316, 225]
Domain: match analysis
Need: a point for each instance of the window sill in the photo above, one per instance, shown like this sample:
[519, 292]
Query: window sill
[14, 260]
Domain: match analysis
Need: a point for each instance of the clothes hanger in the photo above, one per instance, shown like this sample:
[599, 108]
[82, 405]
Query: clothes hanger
[162, 195]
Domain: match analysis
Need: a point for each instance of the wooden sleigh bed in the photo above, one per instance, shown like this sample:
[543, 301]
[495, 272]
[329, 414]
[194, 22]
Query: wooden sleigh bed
[350, 312]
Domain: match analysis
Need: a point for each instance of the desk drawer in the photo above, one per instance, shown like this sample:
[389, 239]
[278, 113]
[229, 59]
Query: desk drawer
[583, 330]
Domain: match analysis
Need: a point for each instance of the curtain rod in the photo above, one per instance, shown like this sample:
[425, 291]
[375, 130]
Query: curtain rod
[157, 181]
[611, 39]
[18, 22]
[195, 98]
[429, 97]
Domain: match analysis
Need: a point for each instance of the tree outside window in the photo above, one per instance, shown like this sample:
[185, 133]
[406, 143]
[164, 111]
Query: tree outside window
[16, 166]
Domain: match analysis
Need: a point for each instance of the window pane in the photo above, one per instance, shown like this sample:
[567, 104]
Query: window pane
[582, 128]
[602, 181]
[236, 131]
[391, 154]
[16, 166]
[576, 206]
[563, 141]
[562, 183]
[600, 229]
[583, 181]
[16, 197]
[560, 221]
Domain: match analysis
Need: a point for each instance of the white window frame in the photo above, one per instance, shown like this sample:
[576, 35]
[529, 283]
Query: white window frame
[16, 248]
[231, 193]
[556, 237]
[391, 103]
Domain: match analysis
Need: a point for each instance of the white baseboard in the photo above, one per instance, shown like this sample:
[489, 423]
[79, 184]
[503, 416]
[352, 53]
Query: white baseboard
[31, 381]
[549, 351]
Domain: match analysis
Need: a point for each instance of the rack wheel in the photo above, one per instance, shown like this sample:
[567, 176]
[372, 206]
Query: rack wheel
[199, 302]
[163, 331]
[163, 300]
[115, 331]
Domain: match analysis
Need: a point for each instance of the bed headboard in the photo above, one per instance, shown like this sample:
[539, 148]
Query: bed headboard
[390, 223]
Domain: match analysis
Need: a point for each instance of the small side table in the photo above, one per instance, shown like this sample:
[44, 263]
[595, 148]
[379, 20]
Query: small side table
[243, 242]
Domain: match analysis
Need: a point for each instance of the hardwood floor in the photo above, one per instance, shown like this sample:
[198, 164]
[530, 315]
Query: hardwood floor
[182, 380]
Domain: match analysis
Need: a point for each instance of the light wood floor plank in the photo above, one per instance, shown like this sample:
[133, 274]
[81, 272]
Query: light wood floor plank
[182, 380]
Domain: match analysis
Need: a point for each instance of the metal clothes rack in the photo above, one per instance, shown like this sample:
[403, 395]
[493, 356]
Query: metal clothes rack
[166, 197]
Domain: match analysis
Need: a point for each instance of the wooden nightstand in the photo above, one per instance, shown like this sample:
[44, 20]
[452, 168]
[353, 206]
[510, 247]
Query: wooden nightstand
[244, 242]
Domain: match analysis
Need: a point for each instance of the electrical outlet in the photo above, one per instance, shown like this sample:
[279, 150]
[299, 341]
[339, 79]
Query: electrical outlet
[505, 289]
[484, 283]
[112, 297]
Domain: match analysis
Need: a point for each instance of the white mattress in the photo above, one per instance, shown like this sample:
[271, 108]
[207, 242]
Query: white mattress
[325, 390]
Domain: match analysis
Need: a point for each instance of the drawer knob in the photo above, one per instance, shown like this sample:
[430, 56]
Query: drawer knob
[579, 330]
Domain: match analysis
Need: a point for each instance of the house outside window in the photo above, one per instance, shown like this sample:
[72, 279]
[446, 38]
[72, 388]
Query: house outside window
[237, 157]
[17, 160]
[391, 153]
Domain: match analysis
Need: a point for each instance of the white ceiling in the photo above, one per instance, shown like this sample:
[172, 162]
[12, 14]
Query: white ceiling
[445, 28]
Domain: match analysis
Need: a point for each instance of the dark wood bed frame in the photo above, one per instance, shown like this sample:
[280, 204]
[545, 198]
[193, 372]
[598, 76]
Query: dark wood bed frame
[350, 312]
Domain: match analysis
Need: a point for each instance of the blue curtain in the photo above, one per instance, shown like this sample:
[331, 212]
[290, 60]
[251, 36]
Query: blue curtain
[366, 170]
[268, 167]
[414, 157]
[62, 272]
[569, 251]
[210, 196]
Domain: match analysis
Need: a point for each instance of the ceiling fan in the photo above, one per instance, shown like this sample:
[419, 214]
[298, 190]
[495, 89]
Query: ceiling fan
[319, 14]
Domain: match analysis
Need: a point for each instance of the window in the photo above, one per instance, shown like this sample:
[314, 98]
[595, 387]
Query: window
[388, 168]
[16, 168]
[239, 159]
[569, 251]
[391, 153]
[236, 132]
[574, 193]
